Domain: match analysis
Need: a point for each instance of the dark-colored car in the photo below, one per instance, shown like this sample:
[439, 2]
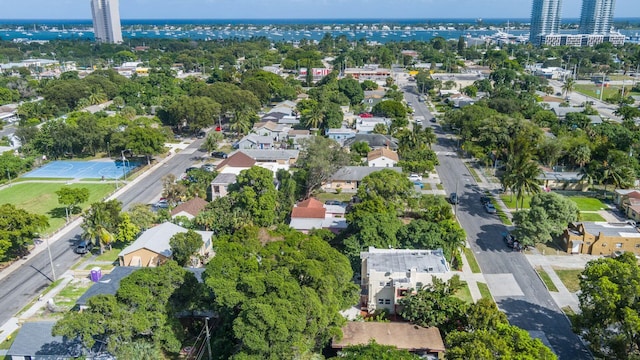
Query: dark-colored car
[201, 135]
[484, 199]
[219, 154]
[453, 198]
[83, 247]
[190, 169]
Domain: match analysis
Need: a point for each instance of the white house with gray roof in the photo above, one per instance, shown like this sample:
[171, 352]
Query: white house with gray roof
[348, 178]
[388, 275]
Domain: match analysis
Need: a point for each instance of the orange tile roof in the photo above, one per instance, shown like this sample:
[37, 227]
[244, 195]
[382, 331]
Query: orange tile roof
[308, 213]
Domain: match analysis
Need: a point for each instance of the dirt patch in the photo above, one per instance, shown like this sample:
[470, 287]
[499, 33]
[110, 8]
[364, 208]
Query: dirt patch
[265, 237]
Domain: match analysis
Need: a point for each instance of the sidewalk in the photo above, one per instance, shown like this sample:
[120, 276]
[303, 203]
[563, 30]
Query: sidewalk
[471, 278]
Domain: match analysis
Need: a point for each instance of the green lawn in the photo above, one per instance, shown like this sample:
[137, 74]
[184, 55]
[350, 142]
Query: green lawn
[344, 197]
[464, 293]
[570, 278]
[439, 187]
[584, 203]
[584, 216]
[40, 198]
[592, 90]
[546, 279]
[587, 203]
[484, 291]
[471, 260]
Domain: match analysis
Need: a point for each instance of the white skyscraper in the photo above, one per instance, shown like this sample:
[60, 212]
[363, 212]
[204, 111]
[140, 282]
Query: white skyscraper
[106, 21]
[597, 16]
[545, 18]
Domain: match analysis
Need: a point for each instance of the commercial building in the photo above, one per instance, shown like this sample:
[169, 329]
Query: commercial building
[106, 21]
[596, 16]
[580, 39]
[545, 19]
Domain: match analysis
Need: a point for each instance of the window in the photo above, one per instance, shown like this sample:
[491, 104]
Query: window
[387, 301]
[619, 245]
[388, 284]
[380, 301]
[402, 292]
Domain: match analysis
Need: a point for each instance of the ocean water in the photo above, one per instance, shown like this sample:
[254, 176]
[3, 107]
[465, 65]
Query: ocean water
[273, 29]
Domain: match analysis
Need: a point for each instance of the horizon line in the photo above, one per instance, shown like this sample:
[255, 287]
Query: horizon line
[306, 19]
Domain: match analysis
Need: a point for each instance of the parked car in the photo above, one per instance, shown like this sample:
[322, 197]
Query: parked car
[162, 204]
[484, 199]
[490, 208]
[83, 247]
[335, 202]
[219, 154]
[415, 177]
[418, 183]
[453, 198]
[201, 135]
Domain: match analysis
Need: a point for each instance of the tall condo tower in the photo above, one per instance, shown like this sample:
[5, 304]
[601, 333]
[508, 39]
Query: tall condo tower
[545, 18]
[597, 16]
[106, 21]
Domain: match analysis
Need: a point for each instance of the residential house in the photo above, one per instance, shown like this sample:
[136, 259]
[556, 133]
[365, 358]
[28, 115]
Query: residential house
[9, 114]
[601, 238]
[273, 160]
[340, 135]
[277, 132]
[296, 137]
[348, 178]
[562, 111]
[313, 214]
[448, 92]
[388, 275]
[460, 100]
[235, 163]
[382, 157]
[366, 125]
[425, 342]
[290, 120]
[275, 116]
[628, 201]
[375, 141]
[220, 185]
[189, 209]
[567, 180]
[152, 247]
[255, 141]
[34, 341]
[595, 119]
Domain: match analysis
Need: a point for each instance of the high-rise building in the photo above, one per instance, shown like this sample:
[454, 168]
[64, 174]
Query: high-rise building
[106, 21]
[545, 18]
[596, 16]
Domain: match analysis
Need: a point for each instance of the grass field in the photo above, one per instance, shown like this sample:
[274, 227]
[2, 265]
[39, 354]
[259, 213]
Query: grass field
[344, 197]
[611, 90]
[584, 216]
[570, 278]
[67, 297]
[40, 198]
[546, 279]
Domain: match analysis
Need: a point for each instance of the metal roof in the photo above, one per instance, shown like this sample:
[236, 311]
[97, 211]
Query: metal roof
[404, 260]
[35, 340]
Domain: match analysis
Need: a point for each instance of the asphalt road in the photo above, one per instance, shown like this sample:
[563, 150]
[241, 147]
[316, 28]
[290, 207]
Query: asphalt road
[515, 285]
[17, 289]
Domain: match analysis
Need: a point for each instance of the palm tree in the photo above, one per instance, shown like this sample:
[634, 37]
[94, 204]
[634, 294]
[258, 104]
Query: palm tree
[97, 97]
[313, 117]
[241, 122]
[429, 136]
[568, 86]
[521, 176]
[581, 155]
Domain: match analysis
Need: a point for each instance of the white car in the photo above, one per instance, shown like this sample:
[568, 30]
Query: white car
[415, 177]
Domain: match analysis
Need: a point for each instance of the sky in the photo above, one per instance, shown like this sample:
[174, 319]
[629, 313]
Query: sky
[297, 9]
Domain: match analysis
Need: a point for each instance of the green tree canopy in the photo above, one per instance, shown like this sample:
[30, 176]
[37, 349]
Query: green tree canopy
[548, 216]
[184, 245]
[17, 230]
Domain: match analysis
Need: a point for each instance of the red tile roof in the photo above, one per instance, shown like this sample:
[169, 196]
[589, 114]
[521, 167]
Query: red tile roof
[308, 213]
[310, 203]
[238, 159]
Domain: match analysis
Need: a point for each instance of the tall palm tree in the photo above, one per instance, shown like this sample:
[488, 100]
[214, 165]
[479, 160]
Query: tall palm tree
[568, 86]
[97, 97]
[313, 118]
[521, 177]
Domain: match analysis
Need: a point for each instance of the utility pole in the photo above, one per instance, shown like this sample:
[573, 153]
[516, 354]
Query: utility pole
[604, 76]
[206, 325]
[53, 270]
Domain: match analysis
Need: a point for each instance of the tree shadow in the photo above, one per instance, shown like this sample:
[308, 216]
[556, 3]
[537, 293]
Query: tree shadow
[57, 213]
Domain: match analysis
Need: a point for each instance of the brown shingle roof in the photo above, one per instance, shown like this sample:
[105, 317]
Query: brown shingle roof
[238, 159]
[193, 207]
[377, 153]
[404, 336]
